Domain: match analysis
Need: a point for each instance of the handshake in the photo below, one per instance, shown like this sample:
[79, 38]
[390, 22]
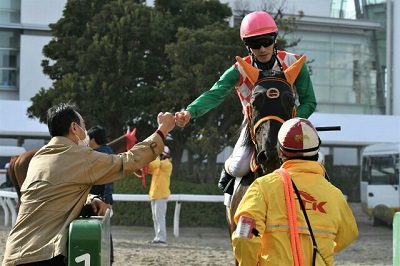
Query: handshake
[167, 121]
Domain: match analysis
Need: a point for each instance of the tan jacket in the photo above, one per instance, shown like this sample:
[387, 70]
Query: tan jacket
[57, 185]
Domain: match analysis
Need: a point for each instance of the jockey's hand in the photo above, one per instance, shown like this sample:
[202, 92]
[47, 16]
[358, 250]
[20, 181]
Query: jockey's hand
[182, 118]
[99, 207]
[166, 122]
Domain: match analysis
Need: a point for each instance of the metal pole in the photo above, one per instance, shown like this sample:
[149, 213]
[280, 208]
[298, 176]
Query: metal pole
[329, 128]
[389, 81]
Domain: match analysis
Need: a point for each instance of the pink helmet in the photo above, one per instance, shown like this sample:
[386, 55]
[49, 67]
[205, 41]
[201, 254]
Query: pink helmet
[257, 23]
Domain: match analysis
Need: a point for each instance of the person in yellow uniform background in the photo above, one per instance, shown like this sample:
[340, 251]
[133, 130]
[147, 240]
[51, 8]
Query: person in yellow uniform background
[161, 170]
[262, 236]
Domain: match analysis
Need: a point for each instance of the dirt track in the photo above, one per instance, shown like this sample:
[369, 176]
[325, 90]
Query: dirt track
[211, 246]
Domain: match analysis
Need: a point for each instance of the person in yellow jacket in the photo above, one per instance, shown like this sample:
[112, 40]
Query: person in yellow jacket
[263, 234]
[161, 170]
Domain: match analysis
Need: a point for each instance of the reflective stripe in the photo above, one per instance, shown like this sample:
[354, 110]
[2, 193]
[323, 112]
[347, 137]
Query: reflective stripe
[303, 228]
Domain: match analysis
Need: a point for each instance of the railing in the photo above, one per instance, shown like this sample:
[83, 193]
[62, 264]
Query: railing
[178, 198]
[8, 200]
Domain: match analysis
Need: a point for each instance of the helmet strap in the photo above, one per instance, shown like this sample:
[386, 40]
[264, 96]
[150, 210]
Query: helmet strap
[268, 65]
[276, 57]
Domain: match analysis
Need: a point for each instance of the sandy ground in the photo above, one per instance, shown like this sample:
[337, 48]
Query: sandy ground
[211, 246]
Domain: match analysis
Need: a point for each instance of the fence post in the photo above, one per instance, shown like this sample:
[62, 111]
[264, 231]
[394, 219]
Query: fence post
[89, 241]
[396, 239]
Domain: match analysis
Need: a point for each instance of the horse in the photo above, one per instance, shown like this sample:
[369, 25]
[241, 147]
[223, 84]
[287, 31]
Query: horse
[19, 164]
[272, 103]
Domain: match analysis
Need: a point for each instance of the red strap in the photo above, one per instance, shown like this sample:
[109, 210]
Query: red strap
[142, 175]
[292, 217]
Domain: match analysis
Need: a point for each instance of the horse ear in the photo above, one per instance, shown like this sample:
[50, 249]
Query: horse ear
[251, 72]
[293, 71]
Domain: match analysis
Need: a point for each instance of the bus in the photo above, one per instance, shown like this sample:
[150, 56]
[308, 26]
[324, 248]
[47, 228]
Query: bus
[380, 195]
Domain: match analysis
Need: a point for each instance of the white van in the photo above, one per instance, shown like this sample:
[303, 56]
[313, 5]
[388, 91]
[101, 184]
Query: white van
[379, 184]
[6, 152]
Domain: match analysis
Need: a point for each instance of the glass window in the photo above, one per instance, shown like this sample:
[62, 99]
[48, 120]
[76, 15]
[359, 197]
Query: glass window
[10, 11]
[9, 39]
[9, 59]
[382, 170]
[8, 78]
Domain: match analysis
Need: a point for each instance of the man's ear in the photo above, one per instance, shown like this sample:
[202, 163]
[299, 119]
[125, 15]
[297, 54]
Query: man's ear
[72, 128]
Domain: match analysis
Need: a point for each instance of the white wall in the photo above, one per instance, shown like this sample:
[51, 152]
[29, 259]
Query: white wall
[31, 73]
[41, 11]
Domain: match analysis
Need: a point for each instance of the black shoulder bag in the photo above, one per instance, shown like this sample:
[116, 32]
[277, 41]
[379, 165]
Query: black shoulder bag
[309, 228]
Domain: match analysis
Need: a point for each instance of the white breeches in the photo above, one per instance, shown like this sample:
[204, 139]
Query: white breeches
[159, 210]
[238, 164]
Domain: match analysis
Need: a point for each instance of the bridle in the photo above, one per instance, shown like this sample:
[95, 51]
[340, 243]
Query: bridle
[254, 165]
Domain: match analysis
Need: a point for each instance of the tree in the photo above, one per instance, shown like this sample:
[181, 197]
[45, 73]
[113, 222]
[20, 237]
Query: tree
[108, 57]
[122, 62]
[110, 64]
[215, 49]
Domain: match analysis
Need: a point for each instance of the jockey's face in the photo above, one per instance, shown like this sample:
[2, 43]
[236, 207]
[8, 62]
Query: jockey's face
[262, 47]
[264, 54]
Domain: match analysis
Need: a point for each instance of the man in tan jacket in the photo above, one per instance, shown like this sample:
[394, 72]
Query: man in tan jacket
[58, 182]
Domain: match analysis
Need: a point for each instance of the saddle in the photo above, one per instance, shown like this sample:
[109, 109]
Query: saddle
[227, 182]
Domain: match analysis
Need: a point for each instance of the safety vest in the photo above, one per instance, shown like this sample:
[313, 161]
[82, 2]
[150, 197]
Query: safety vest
[245, 87]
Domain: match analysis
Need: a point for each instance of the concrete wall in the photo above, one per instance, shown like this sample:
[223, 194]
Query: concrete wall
[41, 11]
[31, 72]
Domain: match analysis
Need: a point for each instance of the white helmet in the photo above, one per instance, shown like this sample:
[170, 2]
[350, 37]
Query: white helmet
[298, 138]
[166, 151]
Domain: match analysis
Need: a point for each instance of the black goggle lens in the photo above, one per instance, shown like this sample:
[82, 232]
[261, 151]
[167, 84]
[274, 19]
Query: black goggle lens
[257, 43]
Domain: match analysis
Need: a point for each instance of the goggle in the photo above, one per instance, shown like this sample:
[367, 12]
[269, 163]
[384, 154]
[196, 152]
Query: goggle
[265, 41]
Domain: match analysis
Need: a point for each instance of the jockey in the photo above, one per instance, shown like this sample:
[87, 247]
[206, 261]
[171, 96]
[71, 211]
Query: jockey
[272, 228]
[258, 31]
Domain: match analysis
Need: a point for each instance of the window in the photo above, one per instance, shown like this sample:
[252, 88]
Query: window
[10, 11]
[381, 170]
[9, 51]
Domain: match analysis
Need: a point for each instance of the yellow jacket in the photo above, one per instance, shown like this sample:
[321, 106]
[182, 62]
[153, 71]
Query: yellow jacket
[332, 220]
[161, 171]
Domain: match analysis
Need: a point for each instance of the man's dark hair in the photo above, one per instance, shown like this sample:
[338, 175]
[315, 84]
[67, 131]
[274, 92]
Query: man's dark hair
[60, 117]
[99, 134]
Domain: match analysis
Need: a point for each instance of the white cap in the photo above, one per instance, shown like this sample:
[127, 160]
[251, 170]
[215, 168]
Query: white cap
[298, 137]
[166, 151]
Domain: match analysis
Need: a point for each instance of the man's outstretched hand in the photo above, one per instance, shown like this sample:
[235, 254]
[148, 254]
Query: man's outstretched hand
[166, 122]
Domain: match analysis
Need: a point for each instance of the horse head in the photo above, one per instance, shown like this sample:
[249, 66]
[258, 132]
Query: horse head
[272, 102]
[124, 143]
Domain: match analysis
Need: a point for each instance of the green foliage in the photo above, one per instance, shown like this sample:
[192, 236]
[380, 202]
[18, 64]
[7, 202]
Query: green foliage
[191, 214]
[194, 73]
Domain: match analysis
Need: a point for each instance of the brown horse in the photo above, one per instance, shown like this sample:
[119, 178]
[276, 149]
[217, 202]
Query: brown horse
[272, 103]
[19, 165]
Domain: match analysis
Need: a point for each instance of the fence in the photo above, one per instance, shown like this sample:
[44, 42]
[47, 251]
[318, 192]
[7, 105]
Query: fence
[8, 200]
